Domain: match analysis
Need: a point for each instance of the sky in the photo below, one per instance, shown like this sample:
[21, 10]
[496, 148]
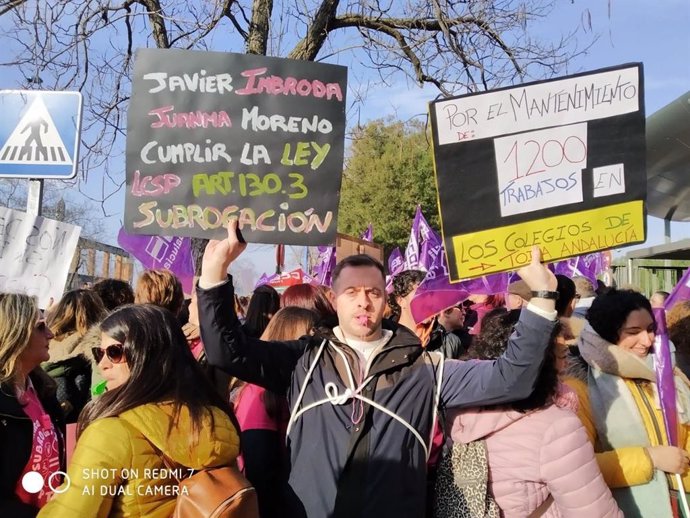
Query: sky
[654, 33]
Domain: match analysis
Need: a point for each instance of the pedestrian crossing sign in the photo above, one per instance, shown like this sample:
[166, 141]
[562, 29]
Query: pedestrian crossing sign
[39, 134]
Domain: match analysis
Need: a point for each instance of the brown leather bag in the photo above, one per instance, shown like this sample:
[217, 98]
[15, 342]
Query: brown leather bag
[221, 492]
[216, 493]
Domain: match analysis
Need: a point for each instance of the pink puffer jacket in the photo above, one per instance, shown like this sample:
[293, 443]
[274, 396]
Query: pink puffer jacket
[531, 455]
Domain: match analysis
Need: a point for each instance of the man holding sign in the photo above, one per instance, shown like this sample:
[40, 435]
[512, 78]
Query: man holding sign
[364, 395]
[558, 163]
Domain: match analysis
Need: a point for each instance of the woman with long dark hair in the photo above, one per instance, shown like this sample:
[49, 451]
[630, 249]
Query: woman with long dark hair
[263, 418]
[158, 406]
[263, 305]
[31, 422]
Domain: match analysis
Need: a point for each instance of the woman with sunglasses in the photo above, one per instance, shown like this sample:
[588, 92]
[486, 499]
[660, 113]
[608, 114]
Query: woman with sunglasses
[31, 422]
[159, 412]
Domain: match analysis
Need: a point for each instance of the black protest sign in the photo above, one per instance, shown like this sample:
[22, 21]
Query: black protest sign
[213, 136]
[558, 163]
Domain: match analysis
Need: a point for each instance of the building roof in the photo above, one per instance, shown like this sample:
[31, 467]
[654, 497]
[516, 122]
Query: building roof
[668, 161]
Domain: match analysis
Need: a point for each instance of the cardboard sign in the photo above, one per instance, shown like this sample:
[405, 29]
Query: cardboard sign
[558, 163]
[35, 254]
[214, 136]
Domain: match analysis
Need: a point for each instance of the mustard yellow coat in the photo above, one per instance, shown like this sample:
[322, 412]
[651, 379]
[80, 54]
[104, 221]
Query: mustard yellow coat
[631, 466]
[116, 473]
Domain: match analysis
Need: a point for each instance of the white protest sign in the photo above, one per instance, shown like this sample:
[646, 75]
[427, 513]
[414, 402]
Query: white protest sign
[537, 106]
[540, 169]
[35, 254]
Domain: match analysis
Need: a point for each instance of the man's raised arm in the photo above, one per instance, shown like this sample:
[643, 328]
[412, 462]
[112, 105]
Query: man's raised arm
[513, 376]
[268, 364]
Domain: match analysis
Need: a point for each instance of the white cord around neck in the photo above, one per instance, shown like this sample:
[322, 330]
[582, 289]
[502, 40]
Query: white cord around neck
[336, 398]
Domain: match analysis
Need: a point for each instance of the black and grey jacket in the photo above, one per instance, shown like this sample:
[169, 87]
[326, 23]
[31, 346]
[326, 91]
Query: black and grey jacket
[16, 441]
[72, 367]
[350, 457]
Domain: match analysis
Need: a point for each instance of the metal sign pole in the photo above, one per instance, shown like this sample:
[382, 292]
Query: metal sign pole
[34, 202]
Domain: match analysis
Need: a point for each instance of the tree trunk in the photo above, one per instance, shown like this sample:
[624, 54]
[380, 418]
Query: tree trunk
[259, 28]
[309, 47]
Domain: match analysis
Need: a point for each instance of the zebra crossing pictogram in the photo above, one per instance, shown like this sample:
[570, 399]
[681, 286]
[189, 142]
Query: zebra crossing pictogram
[35, 140]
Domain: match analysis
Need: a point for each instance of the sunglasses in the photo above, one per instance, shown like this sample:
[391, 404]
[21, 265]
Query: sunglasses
[114, 352]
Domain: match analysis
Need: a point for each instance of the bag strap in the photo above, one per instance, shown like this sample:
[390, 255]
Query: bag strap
[438, 406]
[543, 508]
[168, 463]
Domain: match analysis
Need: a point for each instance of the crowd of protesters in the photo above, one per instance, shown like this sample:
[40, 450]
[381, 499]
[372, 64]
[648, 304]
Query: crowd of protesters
[334, 402]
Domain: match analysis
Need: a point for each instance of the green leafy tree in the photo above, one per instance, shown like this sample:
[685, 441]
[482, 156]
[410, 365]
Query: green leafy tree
[389, 172]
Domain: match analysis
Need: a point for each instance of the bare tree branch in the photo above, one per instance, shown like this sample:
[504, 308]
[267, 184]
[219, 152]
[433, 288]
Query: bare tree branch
[309, 47]
[9, 5]
[155, 13]
[88, 45]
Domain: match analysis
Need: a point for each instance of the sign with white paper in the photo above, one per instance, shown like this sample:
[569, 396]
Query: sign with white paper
[557, 163]
[35, 254]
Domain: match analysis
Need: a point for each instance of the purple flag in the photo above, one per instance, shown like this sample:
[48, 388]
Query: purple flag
[564, 267]
[664, 377]
[396, 263]
[436, 293]
[412, 250]
[262, 280]
[424, 249]
[156, 252]
[431, 253]
[589, 266]
[680, 292]
[272, 278]
[323, 269]
[368, 234]
[489, 284]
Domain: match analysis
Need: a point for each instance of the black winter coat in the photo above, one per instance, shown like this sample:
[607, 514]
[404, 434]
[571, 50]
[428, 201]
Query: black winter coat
[16, 440]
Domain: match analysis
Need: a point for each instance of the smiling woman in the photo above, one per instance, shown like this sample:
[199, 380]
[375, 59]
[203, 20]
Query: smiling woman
[618, 397]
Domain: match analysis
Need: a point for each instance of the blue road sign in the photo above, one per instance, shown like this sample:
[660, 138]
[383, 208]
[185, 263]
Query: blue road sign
[39, 134]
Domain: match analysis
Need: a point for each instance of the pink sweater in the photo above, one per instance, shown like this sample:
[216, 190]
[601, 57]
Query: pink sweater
[534, 454]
